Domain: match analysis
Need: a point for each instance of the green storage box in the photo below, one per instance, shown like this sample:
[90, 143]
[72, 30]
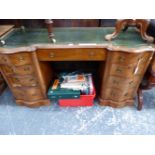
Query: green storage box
[55, 92]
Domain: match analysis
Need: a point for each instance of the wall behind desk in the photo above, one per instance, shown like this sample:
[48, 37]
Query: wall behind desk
[39, 23]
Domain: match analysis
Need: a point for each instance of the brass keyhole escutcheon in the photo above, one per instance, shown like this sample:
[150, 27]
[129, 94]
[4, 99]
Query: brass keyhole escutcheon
[34, 84]
[51, 55]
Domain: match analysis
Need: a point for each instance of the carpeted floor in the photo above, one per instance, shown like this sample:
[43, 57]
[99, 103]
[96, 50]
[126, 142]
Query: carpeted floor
[96, 120]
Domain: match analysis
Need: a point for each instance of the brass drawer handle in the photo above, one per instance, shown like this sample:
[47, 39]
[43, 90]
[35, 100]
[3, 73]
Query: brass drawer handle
[26, 68]
[32, 80]
[21, 58]
[16, 80]
[91, 54]
[16, 85]
[121, 58]
[126, 94]
[119, 70]
[51, 55]
[9, 70]
[12, 69]
[116, 82]
[113, 94]
[34, 94]
[131, 83]
[34, 85]
[4, 59]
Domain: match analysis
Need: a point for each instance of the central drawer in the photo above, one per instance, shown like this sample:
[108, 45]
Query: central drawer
[76, 54]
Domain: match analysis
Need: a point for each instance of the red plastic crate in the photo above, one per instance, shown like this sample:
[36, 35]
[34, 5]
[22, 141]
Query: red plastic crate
[84, 100]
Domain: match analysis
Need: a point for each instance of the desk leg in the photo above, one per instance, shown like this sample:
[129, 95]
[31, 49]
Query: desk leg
[49, 23]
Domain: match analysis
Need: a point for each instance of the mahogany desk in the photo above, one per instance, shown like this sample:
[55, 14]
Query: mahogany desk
[26, 55]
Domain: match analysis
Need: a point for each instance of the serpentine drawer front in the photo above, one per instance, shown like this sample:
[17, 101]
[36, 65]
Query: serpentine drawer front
[119, 82]
[28, 94]
[20, 59]
[118, 95]
[15, 59]
[25, 81]
[71, 54]
[122, 71]
[124, 58]
[18, 70]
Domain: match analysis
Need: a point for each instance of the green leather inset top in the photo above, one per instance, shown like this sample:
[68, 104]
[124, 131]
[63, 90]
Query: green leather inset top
[130, 38]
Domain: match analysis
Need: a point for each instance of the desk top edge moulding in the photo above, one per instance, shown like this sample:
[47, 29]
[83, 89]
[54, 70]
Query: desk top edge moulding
[26, 54]
[54, 41]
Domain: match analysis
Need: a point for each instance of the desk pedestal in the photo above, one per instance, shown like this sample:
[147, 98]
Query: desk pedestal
[121, 79]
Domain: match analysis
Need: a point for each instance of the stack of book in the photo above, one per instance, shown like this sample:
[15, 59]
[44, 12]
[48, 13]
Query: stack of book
[56, 92]
[71, 87]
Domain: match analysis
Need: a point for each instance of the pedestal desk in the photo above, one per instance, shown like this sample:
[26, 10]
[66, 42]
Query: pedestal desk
[26, 55]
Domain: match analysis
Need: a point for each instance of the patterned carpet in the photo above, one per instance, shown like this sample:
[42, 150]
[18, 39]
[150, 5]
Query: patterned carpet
[96, 120]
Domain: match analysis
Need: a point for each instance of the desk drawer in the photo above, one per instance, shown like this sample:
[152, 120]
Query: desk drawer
[26, 81]
[20, 59]
[118, 95]
[122, 71]
[24, 70]
[18, 70]
[124, 58]
[33, 94]
[71, 54]
[19, 93]
[118, 82]
[28, 94]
